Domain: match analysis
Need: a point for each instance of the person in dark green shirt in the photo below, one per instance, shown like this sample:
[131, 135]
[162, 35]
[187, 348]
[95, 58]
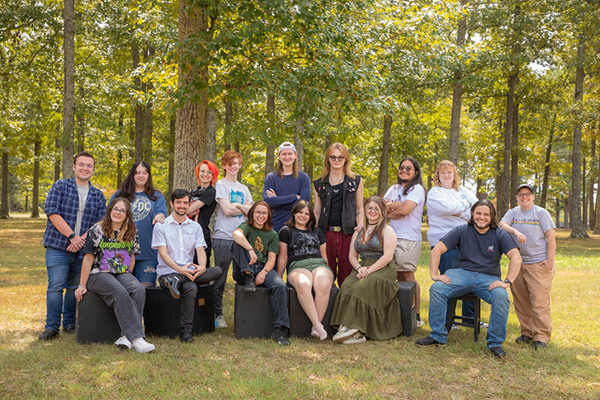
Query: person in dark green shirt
[254, 255]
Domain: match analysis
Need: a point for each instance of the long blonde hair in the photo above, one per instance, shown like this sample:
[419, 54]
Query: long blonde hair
[381, 223]
[327, 166]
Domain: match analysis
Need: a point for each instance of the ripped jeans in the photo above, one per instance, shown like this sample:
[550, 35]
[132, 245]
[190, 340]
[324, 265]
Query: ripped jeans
[145, 272]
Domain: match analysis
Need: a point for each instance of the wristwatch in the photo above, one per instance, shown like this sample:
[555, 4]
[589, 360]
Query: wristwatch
[71, 236]
[508, 281]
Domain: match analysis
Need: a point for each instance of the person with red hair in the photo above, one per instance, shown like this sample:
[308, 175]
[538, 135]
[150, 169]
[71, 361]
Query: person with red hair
[203, 200]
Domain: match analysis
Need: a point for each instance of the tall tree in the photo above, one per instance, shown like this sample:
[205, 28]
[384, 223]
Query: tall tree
[69, 88]
[457, 89]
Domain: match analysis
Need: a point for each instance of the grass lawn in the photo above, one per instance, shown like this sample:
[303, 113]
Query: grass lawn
[218, 365]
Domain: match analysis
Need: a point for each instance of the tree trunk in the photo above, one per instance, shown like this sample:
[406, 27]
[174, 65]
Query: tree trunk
[558, 212]
[503, 198]
[514, 167]
[597, 214]
[69, 88]
[567, 212]
[139, 111]
[299, 143]
[577, 228]
[172, 135]
[120, 153]
[227, 139]
[148, 113]
[4, 196]
[480, 193]
[384, 164]
[585, 224]
[190, 141]
[211, 134]
[80, 135]
[547, 163]
[270, 152]
[591, 213]
[35, 193]
[457, 91]
[498, 181]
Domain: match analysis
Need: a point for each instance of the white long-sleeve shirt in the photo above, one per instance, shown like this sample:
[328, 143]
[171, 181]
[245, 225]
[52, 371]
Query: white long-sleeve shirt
[447, 209]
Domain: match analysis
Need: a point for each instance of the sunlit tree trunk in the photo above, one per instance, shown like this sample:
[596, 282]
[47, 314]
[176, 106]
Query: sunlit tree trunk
[211, 134]
[384, 163]
[4, 197]
[590, 198]
[270, 151]
[457, 91]
[514, 162]
[69, 88]
[298, 142]
[35, 192]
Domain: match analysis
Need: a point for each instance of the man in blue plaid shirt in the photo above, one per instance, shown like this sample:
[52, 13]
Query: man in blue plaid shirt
[72, 206]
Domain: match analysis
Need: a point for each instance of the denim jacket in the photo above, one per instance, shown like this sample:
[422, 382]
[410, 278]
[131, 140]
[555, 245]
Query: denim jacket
[324, 191]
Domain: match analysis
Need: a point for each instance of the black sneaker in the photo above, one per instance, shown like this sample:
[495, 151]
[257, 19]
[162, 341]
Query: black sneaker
[428, 341]
[523, 339]
[539, 345]
[186, 337]
[48, 334]
[69, 329]
[498, 352]
[280, 336]
[249, 283]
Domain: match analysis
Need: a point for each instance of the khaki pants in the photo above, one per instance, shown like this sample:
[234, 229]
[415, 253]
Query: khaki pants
[531, 295]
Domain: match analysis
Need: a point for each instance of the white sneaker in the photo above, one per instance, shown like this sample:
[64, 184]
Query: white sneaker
[319, 332]
[484, 325]
[344, 333]
[357, 338]
[123, 343]
[220, 322]
[455, 327]
[420, 323]
[141, 346]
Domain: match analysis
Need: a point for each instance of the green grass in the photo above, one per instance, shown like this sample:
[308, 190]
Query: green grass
[219, 366]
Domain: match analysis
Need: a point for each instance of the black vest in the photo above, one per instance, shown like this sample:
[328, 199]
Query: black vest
[349, 188]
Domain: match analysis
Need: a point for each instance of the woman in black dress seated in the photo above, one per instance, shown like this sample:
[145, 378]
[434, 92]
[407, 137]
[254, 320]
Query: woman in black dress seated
[367, 304]
[303, 247]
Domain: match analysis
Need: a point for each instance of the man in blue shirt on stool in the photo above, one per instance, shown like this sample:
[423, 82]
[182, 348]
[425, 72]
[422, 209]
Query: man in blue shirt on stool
[481, 245]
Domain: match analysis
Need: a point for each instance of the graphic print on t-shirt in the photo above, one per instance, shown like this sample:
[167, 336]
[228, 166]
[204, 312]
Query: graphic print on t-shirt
[141, 208]
[116, 258]
[306, 244]
[236, 197]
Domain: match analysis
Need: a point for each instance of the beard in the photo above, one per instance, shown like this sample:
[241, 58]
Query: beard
[176, 211]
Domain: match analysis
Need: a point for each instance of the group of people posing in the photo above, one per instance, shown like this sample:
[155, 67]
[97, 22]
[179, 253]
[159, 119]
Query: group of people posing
[343, 239]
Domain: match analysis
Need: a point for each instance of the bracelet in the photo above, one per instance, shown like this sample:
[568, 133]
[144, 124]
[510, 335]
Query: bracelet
[81, 286]
[264, 270]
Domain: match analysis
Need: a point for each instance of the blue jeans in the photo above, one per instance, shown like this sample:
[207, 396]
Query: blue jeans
[449, 260]
[463, 282]
[64, 270]
[273, 283]
[145, 272]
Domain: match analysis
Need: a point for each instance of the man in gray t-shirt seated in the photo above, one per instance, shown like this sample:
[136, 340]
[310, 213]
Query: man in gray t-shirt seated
[481, 245]
[534, 229]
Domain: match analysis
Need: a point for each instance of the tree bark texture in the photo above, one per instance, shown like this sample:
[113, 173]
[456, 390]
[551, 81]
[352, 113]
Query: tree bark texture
[4, 197]
[583, 198]
[384, 164]
[577, 228]
[148, 113]
[57, 160]
[546, 178]
[69, 88]
[35, 192]
[457, 91]
[227, 134]
[190, 138]
[172, 135]
[211, 134]
[503, 197]
[590, 201]
[597, 212]
[139, 112]
[514, 157]
[270, 152]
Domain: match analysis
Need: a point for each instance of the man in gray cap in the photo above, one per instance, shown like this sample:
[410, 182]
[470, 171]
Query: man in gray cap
[533, 228]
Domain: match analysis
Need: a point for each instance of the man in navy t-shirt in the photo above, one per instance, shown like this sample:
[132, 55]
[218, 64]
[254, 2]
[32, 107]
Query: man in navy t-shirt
[481, 245]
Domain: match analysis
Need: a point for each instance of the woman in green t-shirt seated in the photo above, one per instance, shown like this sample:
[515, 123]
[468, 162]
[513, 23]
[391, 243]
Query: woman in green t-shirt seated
[303, 247]
[254, 254]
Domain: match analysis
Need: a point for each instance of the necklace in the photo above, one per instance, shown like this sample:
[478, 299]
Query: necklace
[332, 183]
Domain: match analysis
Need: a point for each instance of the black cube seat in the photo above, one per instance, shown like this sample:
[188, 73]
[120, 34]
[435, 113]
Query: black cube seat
[253, 313]
[162, 313]
[407, 296]
[96, 322]
[300, 325]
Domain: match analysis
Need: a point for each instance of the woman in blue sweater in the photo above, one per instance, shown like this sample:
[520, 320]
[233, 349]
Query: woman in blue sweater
[285, 186]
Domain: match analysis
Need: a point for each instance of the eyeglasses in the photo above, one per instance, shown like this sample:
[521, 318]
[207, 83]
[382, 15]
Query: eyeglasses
[338, 158]
[82, 165]
[405, 168]
[203, 172]
[521, 195]
[119, 210]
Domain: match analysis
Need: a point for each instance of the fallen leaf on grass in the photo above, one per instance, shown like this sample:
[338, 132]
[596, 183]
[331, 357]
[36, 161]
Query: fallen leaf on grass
[226, 374]
[85, 356]
[47, 344]
[209, 389]
[117, 362]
